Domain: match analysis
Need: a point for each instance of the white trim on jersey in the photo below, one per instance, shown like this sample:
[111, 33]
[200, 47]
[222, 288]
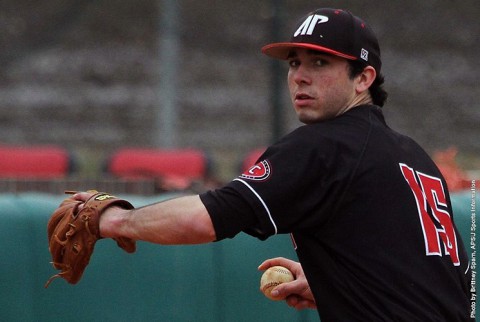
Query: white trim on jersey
[261, 201]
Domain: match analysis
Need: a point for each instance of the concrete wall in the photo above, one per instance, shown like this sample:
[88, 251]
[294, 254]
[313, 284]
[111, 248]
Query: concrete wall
[86, 74]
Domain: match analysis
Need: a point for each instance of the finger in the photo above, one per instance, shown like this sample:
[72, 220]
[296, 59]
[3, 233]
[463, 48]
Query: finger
[305, 304]
[278, 261]
[300, 303]
[82, 196]
[289, 288]
[292, 301]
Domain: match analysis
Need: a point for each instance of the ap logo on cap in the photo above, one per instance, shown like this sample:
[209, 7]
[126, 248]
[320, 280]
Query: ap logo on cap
[307, 27]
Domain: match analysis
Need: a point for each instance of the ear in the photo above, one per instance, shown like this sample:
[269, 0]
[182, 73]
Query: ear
[365, 79]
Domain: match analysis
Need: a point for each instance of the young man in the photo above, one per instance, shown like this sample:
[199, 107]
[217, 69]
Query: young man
[368, 210]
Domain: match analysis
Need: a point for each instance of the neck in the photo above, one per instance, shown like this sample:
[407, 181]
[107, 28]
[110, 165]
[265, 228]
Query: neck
[362, 99]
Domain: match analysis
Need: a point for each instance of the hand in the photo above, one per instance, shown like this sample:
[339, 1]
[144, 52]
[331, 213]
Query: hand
[108, 213]
[83, 196]
[298, 294]
[74, 228]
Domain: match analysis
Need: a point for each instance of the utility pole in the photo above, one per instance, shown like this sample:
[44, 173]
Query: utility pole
[276, 77]
[166, 114]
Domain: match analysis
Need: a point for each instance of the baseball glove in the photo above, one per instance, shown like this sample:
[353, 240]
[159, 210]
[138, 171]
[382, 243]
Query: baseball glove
[72, 234]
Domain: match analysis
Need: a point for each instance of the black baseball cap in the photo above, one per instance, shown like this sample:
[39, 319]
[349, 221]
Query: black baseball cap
[333, 31]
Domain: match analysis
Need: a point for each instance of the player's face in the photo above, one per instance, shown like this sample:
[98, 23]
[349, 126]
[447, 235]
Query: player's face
[319, 84]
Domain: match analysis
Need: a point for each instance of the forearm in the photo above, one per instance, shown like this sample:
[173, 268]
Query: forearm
[183, 220]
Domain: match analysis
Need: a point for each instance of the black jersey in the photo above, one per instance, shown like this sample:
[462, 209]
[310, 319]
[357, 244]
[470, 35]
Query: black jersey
[370, 216]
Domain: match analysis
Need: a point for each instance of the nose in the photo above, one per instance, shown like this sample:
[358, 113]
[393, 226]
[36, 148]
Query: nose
[300, 75]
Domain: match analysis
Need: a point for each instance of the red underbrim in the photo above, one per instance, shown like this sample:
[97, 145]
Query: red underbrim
[282, 50]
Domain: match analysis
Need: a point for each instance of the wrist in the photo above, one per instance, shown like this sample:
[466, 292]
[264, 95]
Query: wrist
[111, 222]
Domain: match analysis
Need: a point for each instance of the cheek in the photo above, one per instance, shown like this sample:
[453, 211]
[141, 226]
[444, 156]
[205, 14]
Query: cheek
[334, 89]
[291, 83]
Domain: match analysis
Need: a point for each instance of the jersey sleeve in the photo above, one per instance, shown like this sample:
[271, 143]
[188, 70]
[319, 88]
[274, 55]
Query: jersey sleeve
[294, 186]
[229, 211]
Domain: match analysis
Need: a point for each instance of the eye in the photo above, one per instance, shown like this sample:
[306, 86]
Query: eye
[320, 62]
[293, 63]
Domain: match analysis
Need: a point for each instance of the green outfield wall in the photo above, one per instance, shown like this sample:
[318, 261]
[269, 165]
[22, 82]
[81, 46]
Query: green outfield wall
[214, 282]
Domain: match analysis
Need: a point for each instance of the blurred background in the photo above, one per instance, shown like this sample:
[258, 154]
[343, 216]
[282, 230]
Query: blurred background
[150, 97]
[97, 76]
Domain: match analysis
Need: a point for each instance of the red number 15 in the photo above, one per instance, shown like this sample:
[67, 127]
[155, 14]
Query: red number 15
[437, 227]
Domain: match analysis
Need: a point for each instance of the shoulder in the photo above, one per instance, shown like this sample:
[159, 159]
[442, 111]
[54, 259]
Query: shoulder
[348, 126]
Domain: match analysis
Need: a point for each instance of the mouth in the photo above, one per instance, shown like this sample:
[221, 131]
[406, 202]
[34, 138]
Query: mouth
[302, 99]
[302, 96]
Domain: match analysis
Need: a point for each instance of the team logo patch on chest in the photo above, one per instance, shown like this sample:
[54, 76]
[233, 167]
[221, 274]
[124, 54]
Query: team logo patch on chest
[259, 172]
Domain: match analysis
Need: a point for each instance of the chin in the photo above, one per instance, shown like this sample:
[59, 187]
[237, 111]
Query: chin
[311, 119]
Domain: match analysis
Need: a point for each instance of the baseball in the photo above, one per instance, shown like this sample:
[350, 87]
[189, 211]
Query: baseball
[273, 277]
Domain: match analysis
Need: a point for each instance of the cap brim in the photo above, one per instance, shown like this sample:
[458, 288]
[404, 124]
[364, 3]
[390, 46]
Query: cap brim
[282, 50]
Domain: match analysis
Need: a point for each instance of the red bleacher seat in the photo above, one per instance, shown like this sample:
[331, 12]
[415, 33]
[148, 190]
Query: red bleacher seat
[457, 179]
[138, 162]
[44, 162]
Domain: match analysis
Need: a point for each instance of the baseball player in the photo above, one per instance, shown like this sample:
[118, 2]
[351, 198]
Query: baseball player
[368, 211]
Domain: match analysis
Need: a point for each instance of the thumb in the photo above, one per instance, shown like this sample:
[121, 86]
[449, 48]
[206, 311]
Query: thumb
[298, 288]
[285, 289]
